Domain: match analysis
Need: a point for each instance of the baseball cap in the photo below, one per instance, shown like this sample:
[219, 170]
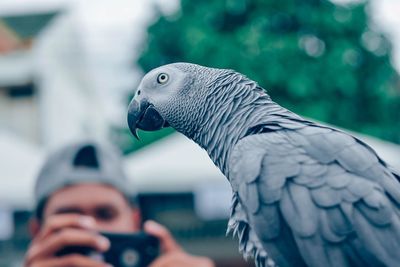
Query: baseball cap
[81, 162]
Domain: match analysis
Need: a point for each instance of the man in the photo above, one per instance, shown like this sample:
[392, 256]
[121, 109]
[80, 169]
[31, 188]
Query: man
[80, 191]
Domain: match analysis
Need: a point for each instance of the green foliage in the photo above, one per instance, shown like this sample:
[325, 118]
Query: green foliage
[314, 57]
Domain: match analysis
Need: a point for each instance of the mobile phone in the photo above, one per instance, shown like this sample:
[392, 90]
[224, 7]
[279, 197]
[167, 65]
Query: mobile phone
[126, 250]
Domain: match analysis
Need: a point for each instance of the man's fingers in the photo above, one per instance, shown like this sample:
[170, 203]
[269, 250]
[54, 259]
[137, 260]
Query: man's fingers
[164, 261]
[181, 259]
[168, 243]
[73, 260]
[57, 222]
[65, 238]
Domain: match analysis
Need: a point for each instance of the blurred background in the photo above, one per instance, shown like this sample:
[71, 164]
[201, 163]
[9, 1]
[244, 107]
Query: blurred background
[69, 68]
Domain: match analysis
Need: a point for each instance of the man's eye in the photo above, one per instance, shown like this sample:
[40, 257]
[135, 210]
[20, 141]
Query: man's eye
[106, 214]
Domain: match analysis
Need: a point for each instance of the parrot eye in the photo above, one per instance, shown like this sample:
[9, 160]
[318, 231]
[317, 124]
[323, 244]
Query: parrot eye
[162, 78]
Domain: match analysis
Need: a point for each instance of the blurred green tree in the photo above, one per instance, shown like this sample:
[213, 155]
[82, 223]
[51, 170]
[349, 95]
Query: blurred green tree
[314, 57]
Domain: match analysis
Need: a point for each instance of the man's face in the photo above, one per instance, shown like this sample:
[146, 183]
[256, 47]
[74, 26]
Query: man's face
[103, 203]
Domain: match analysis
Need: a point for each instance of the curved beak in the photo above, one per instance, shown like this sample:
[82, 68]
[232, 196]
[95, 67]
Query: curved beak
[142, 115]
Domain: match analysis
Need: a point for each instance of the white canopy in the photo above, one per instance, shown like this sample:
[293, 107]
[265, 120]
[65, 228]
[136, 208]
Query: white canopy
[20, 163]
[172, 164]
[176, 163]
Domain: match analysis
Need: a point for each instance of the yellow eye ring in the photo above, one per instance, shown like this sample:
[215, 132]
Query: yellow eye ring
[162, 78]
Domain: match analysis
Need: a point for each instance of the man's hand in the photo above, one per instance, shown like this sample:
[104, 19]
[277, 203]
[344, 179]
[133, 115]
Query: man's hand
[172, 254]
[60, 231]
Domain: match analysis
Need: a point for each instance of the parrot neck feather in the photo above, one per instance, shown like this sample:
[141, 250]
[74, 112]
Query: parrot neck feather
[234, 105]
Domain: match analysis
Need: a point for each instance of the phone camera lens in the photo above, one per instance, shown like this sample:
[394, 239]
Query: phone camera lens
[130, 258]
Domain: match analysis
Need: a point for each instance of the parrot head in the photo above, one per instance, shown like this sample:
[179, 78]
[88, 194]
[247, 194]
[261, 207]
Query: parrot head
[169, 95]
[212, 107]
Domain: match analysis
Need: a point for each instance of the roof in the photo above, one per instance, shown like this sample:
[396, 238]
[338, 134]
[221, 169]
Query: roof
[27, 26]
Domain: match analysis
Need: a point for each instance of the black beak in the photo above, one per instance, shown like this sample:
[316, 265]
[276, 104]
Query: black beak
[142, 115]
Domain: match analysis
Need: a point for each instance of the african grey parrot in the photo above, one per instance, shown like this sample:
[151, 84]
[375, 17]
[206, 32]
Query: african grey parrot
[304, 194]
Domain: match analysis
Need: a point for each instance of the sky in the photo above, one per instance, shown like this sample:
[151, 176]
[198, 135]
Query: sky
[386, 14]
[15, 7]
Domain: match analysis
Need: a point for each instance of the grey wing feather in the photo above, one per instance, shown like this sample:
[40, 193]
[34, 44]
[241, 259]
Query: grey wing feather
[318, 197]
